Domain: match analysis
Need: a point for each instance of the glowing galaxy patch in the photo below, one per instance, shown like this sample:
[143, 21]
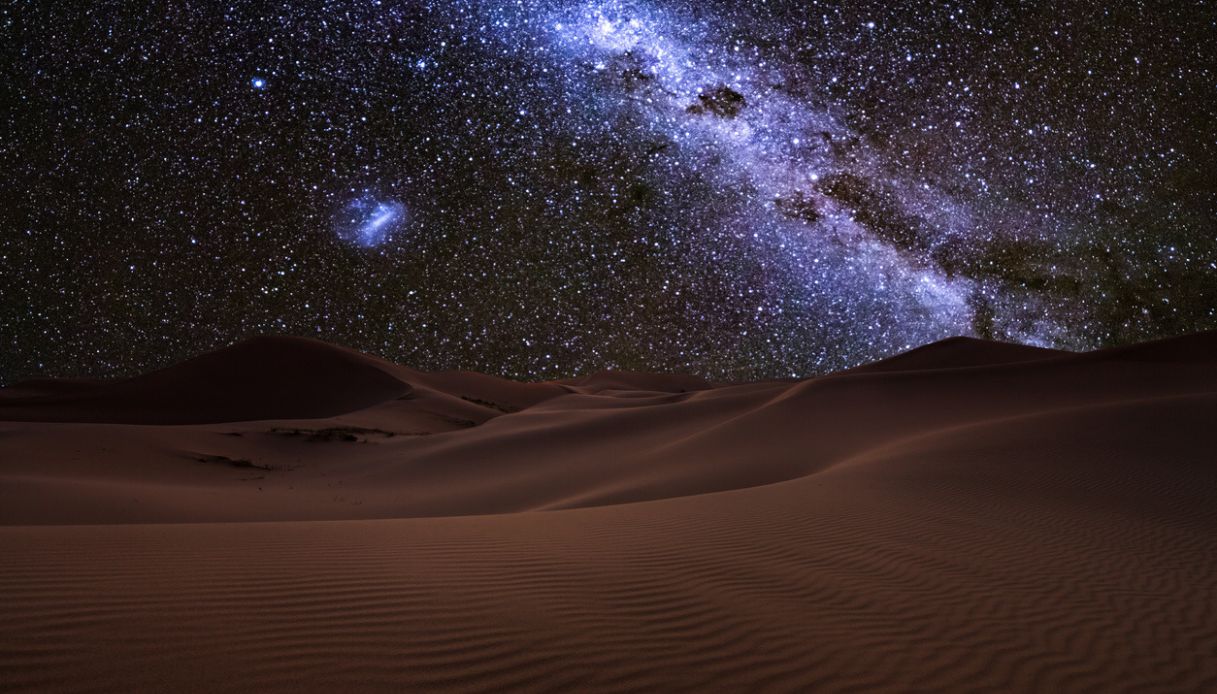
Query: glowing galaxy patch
[368, 222]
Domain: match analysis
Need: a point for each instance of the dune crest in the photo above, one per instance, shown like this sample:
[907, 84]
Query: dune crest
[261, 378]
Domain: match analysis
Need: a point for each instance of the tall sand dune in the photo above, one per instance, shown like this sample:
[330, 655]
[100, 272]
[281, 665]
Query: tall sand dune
[263, 378]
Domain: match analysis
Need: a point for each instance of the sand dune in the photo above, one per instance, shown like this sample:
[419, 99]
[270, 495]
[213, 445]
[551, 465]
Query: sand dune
[968, 516]
[263, 378]
[958, 353]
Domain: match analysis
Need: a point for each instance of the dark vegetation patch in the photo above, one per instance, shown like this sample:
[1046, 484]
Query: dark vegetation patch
[506, 409]
[232, 462]
[344, 434]
[459, 421]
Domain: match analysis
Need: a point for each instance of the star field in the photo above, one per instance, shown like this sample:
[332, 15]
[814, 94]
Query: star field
[544, 188]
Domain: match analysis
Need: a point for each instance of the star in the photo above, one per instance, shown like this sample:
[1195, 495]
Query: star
[743, 189]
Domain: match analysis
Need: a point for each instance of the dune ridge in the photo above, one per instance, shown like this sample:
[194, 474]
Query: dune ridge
[967, 516]
[261, 378]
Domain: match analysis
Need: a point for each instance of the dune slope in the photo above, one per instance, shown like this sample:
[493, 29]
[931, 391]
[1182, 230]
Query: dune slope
[263, 378]
[966, 517]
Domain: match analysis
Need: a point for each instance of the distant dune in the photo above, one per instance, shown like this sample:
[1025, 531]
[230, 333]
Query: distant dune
[285, 514]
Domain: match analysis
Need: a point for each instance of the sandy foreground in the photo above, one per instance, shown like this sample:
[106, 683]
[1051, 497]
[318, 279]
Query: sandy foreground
[286, 515]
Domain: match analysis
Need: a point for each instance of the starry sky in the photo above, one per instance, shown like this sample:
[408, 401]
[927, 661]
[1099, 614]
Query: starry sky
[540, 188]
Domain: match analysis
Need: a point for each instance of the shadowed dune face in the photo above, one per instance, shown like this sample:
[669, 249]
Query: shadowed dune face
[958, 353]
[263, 378]
[965, 517]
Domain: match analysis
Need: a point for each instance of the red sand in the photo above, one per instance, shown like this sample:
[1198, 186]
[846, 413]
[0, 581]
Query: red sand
[968, 516]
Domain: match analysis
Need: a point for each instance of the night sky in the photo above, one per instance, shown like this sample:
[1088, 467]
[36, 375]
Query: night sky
[539, 189]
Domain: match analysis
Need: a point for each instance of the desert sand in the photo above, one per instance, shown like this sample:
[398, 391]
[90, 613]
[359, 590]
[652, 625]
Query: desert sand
[287, 515]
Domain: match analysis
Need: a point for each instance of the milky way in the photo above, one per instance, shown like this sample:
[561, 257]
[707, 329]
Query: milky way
[734, 120]
[535, 189]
